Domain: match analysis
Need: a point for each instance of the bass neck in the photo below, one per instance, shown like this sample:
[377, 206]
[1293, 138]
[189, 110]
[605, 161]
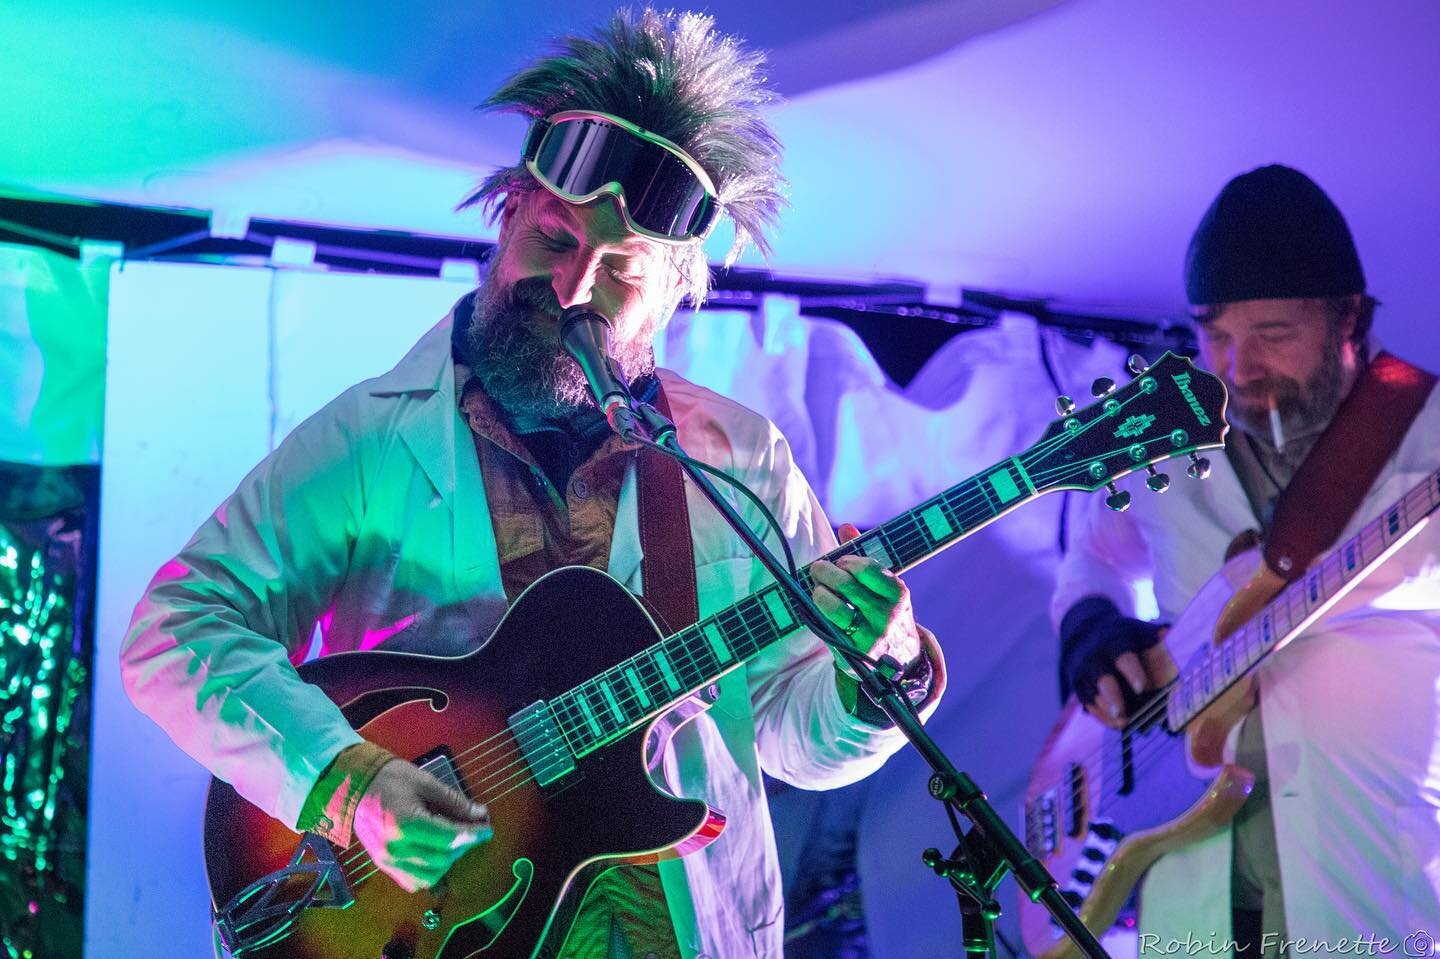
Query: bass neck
[1300, 603]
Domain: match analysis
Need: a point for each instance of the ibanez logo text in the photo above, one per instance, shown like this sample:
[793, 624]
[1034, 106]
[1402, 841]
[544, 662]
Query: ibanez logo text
[1183, 381]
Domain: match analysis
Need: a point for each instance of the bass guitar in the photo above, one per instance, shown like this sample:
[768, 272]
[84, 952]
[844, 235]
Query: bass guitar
[1102, 805]
[551, 736]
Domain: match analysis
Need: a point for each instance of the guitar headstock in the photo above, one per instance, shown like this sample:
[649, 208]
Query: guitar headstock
[1169, 409]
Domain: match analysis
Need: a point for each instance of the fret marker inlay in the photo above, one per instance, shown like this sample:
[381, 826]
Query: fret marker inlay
[639, 688]
[778, 611]
[589, 714]
[665, 671]
[717, 643]
[611, 701]
[874, 547]
[936, 523]
[1004, 486]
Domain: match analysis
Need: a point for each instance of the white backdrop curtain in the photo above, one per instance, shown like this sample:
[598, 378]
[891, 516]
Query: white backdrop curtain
[210, 366]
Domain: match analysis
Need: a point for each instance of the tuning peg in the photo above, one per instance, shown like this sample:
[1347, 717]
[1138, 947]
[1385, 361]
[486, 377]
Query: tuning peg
[1064, 405]
[1102, 387]
[1199, 467]
[1158, 482]
[1118, 500]
[1137, 364]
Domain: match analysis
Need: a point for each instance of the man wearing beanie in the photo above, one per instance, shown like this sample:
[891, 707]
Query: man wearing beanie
[1340, 837]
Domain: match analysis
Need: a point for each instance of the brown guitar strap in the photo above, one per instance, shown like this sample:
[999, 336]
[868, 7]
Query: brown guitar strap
[1328, 487]
[667, 569]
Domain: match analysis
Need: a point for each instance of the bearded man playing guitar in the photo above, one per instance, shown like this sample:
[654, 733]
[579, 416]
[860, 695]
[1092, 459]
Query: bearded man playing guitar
[411, 510]
[1340, 835]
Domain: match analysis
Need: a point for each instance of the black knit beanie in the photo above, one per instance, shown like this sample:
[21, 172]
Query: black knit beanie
[1271, 234]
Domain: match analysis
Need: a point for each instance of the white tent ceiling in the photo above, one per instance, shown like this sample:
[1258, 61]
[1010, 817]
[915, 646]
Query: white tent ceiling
[1063, 147]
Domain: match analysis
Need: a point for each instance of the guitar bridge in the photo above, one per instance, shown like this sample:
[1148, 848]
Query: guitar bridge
[263, 912]
[541, 743]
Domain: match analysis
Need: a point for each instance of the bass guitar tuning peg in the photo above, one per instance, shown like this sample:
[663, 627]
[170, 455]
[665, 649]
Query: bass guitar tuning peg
[1158, 482]
[1102, 387]
[1199, 467]
[1137, 364]
[1118, 500]
[1064, 405]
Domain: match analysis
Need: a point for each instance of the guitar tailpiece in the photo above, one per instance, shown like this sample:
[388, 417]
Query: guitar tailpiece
[259, 915]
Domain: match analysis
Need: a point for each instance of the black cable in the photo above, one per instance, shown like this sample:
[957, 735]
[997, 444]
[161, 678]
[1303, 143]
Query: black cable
[714, 471]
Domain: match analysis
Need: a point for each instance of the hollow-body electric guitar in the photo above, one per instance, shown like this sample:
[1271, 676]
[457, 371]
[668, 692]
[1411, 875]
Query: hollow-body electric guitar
[1103, 805]
[549, 731]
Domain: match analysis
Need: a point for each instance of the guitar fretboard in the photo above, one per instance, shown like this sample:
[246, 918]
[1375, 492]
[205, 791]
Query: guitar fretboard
[1299, 604]
[615, 702]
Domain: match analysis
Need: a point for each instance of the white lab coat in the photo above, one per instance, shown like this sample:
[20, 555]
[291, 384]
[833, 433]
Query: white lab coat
[1351, 713]
[371, 520]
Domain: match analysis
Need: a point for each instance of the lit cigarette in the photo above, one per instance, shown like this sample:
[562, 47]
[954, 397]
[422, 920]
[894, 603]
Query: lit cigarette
[1277, 432]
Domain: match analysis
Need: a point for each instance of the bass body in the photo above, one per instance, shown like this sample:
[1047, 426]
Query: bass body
[550, 842]
[1102, 805]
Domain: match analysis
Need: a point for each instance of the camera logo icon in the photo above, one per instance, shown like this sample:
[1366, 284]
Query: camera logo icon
[1419, 944]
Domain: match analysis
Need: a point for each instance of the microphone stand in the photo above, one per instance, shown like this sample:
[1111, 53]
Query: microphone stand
[989, 848]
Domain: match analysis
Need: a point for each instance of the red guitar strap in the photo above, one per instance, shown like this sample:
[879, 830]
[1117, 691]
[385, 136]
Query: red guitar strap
[667, 569]
[1329, 486]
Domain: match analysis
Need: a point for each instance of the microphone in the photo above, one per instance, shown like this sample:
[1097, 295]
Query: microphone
[585, 335]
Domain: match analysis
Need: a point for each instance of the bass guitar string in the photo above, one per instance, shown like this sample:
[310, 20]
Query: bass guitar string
[1247, 636]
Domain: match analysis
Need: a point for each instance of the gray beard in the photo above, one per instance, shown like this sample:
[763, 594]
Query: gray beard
[525, 372]
[1304, 410]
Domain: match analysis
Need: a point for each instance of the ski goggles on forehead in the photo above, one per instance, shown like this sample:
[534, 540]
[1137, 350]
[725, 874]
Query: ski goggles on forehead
[662, 193]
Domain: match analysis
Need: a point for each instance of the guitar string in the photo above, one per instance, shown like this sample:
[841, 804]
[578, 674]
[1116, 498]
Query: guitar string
[360, 861]
[1144, 753]
[894, 537]
[507, 751]
[484, 781]
[515, 754]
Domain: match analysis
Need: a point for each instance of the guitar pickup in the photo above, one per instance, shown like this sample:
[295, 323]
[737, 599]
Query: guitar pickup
[541, 743]
[1079, 801]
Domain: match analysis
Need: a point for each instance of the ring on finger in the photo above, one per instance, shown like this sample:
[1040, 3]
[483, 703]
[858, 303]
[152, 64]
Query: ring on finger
[857, 619]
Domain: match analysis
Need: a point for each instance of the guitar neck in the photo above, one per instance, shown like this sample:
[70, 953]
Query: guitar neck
[1301, 603]
[615, 702]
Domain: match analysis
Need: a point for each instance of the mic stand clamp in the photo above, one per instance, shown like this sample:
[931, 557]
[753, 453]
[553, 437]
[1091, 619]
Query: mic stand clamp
[974, 876]
[990, 847]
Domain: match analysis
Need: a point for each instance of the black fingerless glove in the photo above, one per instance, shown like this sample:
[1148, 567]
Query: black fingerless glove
[1093, 634]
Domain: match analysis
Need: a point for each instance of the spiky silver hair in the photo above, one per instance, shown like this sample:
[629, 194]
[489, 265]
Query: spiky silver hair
[674, 75]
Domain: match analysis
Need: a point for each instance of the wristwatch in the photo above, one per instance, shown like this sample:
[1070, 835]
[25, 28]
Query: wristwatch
[914, 681]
